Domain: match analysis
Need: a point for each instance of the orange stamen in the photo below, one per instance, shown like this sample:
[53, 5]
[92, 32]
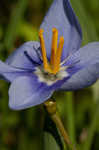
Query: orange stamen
[54, 47]
[58, 55]
[43, 50]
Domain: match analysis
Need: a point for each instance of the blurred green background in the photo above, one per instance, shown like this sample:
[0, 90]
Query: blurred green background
[22, 130]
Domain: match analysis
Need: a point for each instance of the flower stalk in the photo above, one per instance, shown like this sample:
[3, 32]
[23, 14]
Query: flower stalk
[52, 110]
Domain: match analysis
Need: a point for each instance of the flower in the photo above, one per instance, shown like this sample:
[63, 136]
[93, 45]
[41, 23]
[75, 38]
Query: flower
[57, 62]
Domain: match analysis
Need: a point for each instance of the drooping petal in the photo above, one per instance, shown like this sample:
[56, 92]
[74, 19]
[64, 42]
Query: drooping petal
[62, 17]
[26, 56]
[26, 92]
[89, 56]
[9, 73]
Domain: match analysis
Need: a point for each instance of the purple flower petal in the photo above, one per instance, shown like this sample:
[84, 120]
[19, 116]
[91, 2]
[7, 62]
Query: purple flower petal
[62, 17]
[26, 56]
[89, 56]
[10, 73]
[26, 92]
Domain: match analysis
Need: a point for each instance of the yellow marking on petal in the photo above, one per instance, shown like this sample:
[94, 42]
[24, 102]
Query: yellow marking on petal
[43, 51]
[54, 46]
[58, 55]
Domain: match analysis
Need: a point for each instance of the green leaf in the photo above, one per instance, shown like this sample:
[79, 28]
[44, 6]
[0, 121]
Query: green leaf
[50, 127]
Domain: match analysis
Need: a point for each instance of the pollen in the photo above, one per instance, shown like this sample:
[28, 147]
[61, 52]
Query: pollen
[56, 51]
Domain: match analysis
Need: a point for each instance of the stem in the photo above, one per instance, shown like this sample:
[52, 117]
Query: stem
[16, 18]
[51, 108]
[70, 116]
[61, 128]
[92, 129]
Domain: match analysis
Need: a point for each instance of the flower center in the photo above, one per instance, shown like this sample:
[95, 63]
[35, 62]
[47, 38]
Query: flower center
[53, 66]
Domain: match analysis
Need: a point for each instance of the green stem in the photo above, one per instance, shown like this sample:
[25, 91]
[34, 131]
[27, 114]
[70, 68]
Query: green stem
[16, 17]
[51, 108]
[92, 129]
[70, 116]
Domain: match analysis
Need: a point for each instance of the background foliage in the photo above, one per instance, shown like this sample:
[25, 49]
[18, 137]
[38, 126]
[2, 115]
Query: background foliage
[22, 130]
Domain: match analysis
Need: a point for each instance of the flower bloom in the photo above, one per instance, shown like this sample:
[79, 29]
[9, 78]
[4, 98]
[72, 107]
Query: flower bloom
[57, 62]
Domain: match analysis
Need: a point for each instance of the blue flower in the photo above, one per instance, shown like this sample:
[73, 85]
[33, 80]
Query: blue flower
[57, 62]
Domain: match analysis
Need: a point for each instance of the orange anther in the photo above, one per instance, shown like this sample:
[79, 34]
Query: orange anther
[43, 50]
[54, 65]
[54, 46]
[58, 55]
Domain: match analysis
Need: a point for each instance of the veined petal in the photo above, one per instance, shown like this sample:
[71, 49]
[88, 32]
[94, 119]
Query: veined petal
[26, 56]
[62, 17]
[10, 73]
[89, 56]
[26, 92]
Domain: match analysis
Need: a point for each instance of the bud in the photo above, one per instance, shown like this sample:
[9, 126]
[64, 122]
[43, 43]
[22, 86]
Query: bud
[51, 107]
